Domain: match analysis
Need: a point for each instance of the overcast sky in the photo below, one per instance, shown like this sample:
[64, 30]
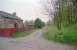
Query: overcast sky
[25, 9]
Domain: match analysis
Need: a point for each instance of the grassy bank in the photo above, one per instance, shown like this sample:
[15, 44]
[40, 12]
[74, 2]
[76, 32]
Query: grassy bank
[20, 34]
[50, 32]
[66, 35]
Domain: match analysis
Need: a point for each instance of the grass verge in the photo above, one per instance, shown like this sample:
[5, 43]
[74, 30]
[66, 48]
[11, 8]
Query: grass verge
[66, 35]
[20, 34]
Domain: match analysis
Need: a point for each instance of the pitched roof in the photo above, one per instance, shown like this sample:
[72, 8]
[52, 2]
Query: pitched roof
[8, 15]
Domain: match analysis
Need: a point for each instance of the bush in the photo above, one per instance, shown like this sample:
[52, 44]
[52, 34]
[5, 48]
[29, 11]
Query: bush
[38, 23]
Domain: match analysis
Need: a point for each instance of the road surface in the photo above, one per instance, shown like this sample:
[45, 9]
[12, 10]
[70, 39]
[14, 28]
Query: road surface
[32, 42]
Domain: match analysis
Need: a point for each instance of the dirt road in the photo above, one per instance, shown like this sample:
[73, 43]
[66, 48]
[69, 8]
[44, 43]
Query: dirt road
[32, 42]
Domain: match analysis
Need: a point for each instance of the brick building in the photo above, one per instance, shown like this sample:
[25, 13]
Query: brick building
[9, 23]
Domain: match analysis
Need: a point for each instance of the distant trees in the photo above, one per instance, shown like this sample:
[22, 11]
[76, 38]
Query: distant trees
[65, 12]
[38, 23]
[52, 8]
[34, 24]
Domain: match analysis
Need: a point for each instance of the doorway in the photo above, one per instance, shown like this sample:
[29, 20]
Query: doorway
[16, 25]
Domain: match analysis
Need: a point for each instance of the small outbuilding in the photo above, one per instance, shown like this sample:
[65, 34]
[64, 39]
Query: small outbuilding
[9, 23]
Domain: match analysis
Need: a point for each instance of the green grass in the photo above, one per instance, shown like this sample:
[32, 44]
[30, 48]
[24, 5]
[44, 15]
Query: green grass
[20, 34]
[50, 32]
[66, 35]
[70, 34]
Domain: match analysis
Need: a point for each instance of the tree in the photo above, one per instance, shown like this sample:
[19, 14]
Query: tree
[53, 8]
[75, 10]
[38, 23]
[65, 12]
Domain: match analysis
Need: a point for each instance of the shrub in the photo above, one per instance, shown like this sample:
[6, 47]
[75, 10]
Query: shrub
[38, 23]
